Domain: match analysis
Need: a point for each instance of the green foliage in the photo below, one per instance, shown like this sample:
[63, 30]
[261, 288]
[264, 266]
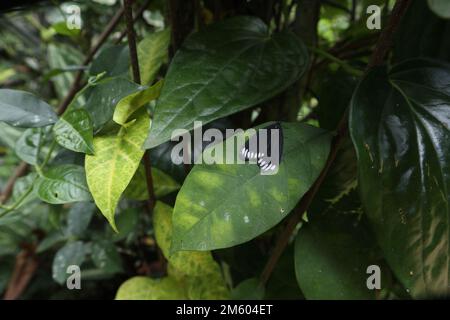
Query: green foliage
[128, 105]
[214, 230]
[332, 253]
[400, 128]
[116, 159]
[234, 79]
[74, 131]
[63, 184]
[207, 219]
[152, 52]
[142, 288]
[22, 109]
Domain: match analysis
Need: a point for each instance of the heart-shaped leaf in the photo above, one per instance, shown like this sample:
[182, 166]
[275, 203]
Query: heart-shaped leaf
[332, 253]
[229, 66]
[222, 205]
[63, 184]
[400, 126]
[23, 109]
[74, 131]
[117, 157]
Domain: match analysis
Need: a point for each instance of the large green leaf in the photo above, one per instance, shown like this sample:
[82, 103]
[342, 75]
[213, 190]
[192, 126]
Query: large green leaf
[63, 184]
[222, 205]
[152, 51]
[332, 253]
[400, 126]
[23, 109]
[230, 66]
[116, 159]
[74, 131]
[440, 7]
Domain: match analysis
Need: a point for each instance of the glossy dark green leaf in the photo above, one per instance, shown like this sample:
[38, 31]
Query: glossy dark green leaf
[74, 131]
[114, 60]
[229, 66]
[63, 184]
[400, 126]
[72, 253]
[332, 253]
[23, 109]
[222, 205]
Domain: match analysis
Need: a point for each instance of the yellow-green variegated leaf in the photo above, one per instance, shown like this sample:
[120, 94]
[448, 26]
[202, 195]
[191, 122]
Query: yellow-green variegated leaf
[128, 105]
[208, 287]
[152, 51]
[197, 271]
[117, 158]
[144, 288]
[193, 263]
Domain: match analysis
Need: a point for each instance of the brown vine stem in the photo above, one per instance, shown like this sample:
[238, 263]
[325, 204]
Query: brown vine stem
[127, 4]
[381, 49]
